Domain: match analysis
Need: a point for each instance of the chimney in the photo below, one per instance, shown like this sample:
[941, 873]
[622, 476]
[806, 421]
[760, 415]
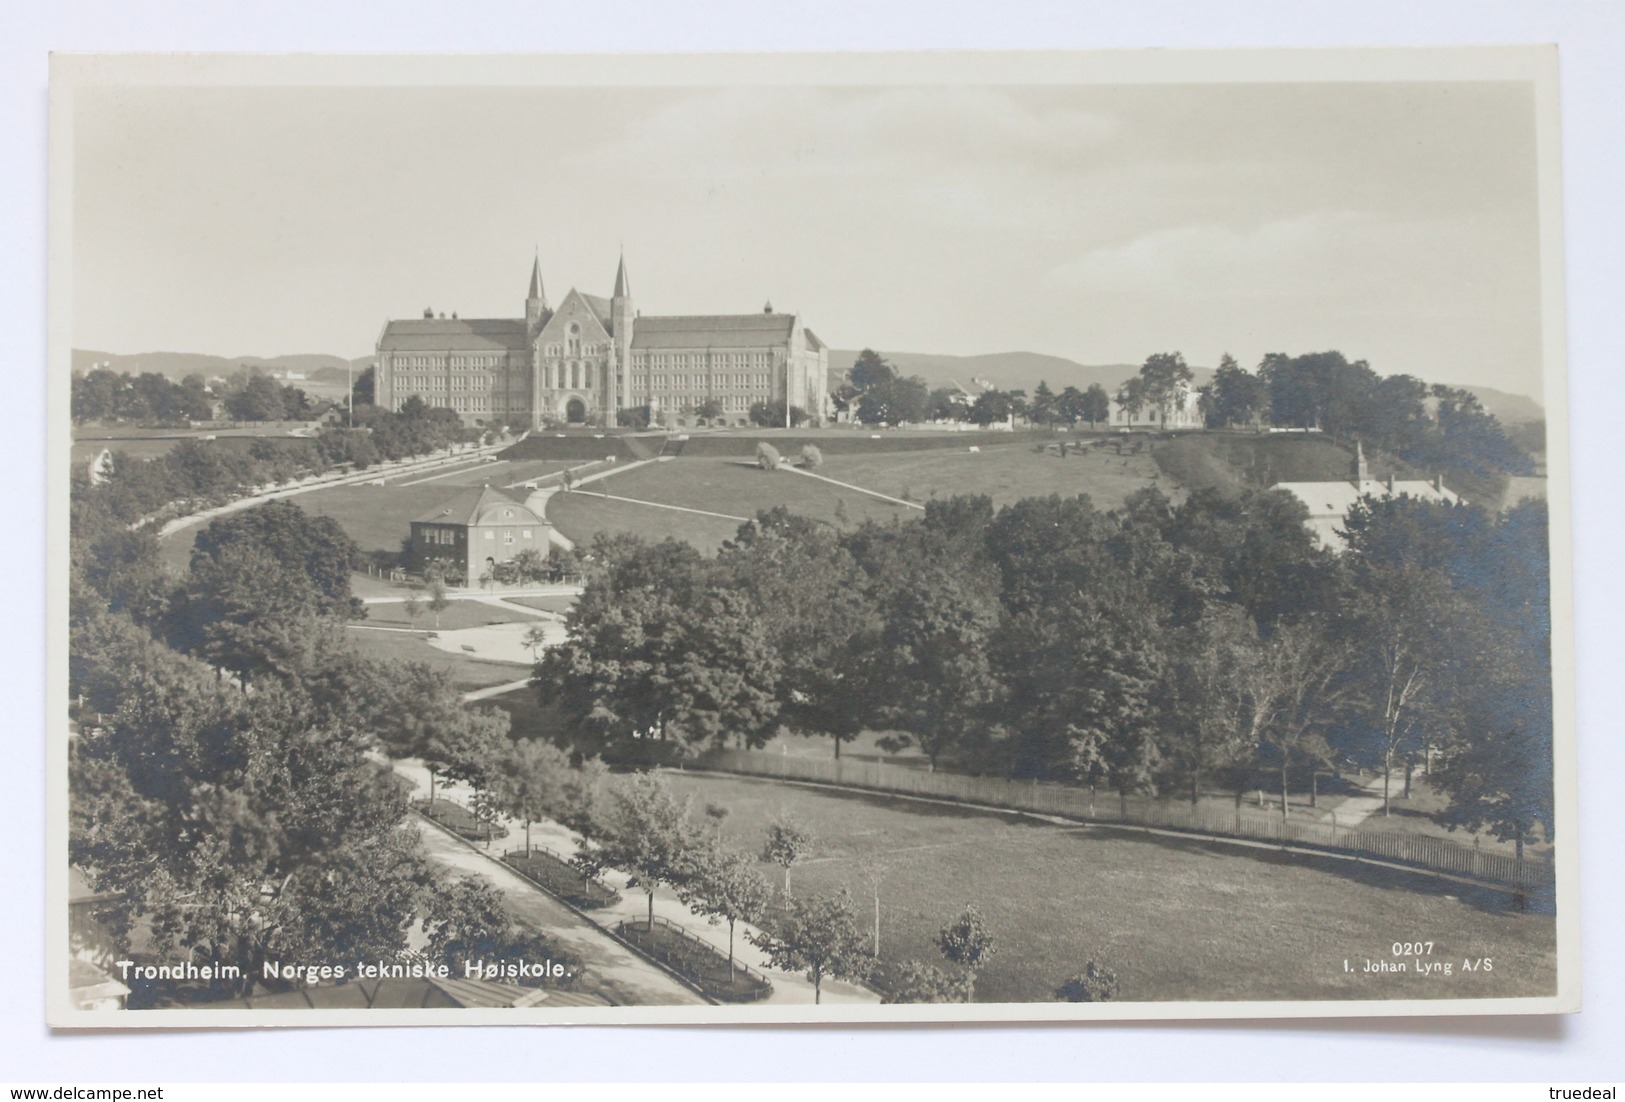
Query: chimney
[1390, 485]
[1438, 482]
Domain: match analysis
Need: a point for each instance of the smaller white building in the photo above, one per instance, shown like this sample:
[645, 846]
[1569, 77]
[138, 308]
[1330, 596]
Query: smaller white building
[1329, 502]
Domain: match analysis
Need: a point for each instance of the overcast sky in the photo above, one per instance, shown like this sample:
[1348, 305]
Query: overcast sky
[1394, 222]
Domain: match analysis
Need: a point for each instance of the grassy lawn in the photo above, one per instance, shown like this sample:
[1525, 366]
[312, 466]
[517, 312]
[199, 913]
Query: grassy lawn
[460, 614]
[560, 605]
[497, 474]
[1005, 472]
[466, 673]
[376, 517]
[729, 486]
[581, 518]
[1175, 919]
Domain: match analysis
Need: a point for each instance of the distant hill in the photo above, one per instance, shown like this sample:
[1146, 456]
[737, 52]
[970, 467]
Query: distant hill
[1005, 370]
[178, 365]
[1013, 370]
[1511, 409]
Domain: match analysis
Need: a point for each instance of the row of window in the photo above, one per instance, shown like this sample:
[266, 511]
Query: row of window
[735, 380]
[737, 402]
[448, 536]
[662, 360]
[478, 403]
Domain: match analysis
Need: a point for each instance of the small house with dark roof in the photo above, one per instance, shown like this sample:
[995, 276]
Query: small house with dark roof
[591, 357]
[475, 532]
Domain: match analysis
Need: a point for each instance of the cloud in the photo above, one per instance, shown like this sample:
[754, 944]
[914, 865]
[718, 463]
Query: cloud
[1349, 256]
[737, 133]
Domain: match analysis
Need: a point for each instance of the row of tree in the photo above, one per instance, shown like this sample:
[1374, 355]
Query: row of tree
[150, 398]
[1152, 649]
[197, 474]
[1434, 427]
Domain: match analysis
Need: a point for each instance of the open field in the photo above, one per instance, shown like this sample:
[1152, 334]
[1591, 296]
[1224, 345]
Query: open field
[465, 672]
[581, 518]
[460, 614]
[1005, 472]
[730, 486]
[560, 605]
[1175, 919]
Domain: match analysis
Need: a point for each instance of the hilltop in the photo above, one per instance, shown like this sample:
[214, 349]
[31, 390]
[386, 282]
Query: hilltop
[1023, 370]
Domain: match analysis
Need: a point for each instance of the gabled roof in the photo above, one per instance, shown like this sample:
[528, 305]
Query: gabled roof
[453, 335]
[600, 307]
[479, 505]
[813, 343]
[714, 331]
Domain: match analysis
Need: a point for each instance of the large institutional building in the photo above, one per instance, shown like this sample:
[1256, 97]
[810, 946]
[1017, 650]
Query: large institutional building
[591, 357]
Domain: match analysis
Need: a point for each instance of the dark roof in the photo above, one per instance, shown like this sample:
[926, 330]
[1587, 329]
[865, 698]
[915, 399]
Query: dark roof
[813, 343]
[599, 305]
[477, 505]
[454, 335]
[714, 331]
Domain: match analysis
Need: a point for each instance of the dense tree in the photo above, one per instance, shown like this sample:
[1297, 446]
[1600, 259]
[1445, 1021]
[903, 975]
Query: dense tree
[1095, 406]
[1237, 396]
[771, 415]
[1043, 407]
[932, 653]
[870, 370]
[818, 938]
[528, 781]
[1095, 984]
[1204, 733]
[894, 401]
[657, 649]
[788, 843]
[1164, 377]
[967, 942]
[992, 407]
[946, 403]
[647, 834]
[240, 827]
[725, 886]
[806, 593]
[913, 981]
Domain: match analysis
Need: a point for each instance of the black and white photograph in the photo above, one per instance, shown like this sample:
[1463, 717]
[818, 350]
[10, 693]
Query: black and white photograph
[966, 537]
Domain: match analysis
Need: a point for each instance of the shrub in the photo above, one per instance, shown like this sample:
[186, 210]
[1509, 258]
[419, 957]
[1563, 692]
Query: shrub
[811, 457]
[767, 456]
[913, 982]
[1095, 984]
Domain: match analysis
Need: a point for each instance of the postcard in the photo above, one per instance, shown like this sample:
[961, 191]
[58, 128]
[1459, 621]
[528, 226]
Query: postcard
[808, 538]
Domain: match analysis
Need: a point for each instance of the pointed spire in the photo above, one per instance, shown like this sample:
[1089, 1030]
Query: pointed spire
[536, 275]
[622, 288]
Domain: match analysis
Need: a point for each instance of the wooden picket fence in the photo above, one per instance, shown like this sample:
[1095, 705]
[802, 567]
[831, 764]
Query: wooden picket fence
[1530, 873]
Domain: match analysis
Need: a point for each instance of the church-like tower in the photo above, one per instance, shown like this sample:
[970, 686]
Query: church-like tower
[621, 319]
[536, 299]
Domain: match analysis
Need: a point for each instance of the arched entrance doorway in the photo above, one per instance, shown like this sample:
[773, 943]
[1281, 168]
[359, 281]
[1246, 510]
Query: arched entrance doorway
[575, 411]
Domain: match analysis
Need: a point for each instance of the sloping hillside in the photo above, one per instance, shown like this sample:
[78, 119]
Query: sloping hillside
[1234, 462]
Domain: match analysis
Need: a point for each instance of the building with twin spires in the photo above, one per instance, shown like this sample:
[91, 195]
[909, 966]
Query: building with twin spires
[591, 357]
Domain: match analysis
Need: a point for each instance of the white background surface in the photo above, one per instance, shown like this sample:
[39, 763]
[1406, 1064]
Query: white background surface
[1581, 1048]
